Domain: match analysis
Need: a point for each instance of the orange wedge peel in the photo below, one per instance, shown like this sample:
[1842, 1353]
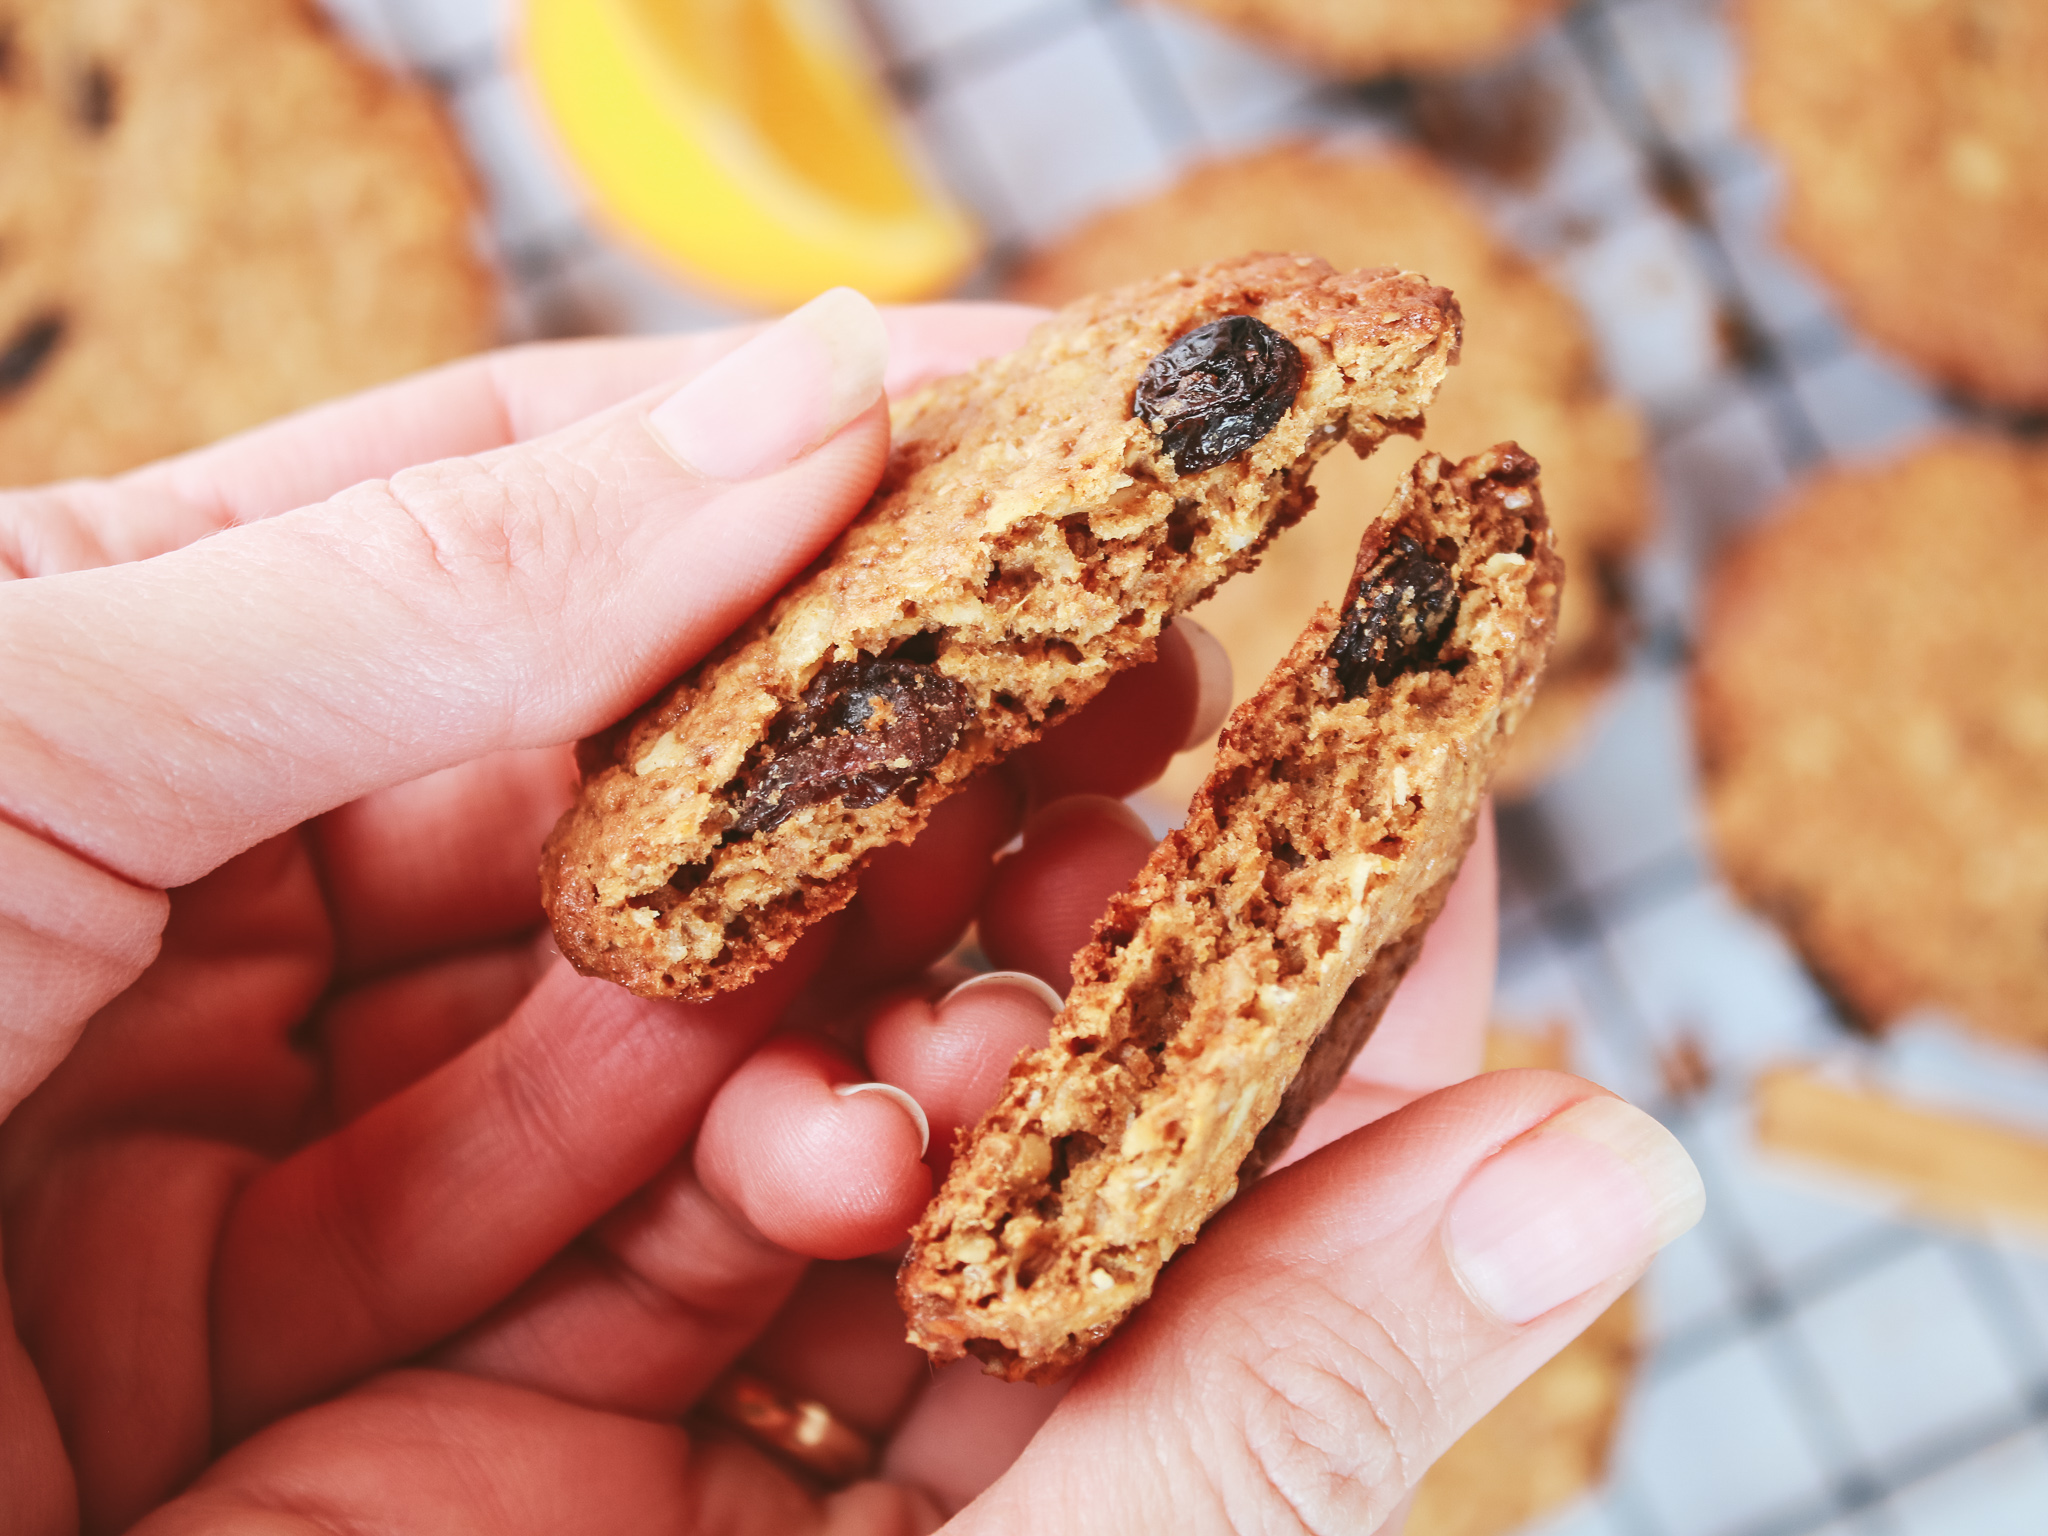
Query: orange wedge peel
[746, 144]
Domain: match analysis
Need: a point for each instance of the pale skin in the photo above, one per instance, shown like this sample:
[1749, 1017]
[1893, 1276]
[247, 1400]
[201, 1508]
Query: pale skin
[332, 1199]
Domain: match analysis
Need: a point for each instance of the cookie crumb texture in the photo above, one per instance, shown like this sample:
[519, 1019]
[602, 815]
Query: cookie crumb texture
[211, 214]
[1031, 536]
[1871, 712]
[1915, 182]
[1357, 38]
[1228, 988]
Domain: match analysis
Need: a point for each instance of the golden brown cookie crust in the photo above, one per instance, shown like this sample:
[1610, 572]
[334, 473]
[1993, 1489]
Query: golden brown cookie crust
[1029, 540]
[216, 213]
[1311, 862]
[1357, 38]
[1871, 705]
[1915, 183]
[1529, 374]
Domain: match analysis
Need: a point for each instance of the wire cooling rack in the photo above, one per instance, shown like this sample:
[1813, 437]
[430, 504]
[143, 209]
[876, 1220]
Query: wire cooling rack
[1815, 1365]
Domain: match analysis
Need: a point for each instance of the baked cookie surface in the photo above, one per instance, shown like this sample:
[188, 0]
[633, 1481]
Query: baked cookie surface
[1529, 374]
[1916, 184]
[1042, 518]
[1357, 38]
[1231, 983]
[211, 214]
[1871, 707]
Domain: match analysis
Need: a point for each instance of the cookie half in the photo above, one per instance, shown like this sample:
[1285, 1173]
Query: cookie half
[1530, 374]
[1042, 518]
[1230, 985]
[1871, 709]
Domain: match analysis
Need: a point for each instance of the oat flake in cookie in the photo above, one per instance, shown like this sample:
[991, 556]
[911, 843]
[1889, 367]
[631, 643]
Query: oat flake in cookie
[1038, 525]
[1229, 986]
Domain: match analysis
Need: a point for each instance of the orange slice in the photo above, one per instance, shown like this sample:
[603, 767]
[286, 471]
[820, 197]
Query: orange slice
[746, 143]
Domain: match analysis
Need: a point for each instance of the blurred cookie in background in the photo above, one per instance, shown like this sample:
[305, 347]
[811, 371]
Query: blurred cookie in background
[1871, 710]
[1357, 38]
[1549, 1440]
[1527, 372]
[211, 214]
[1911, 134]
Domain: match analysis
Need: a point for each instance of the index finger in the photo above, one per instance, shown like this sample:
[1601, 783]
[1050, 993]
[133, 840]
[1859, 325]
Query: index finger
[468, 407]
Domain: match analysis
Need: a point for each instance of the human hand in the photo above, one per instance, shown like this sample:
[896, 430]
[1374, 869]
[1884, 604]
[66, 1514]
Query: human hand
[179, 1178]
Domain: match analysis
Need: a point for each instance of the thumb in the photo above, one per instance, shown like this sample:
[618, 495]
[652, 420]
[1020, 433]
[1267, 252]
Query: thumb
[1353, 1315]
[164, 715]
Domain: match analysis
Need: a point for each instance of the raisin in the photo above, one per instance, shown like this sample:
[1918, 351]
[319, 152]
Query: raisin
[1218, 390]
[96, 99]
[1396, 619]
[861, 732]
[27, 351]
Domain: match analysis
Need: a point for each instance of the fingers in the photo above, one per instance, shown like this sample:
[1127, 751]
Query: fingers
[1348, 1318]
[385, 1035]
[1128, 733]
[514, 396]
[810, 1164]
[425, 1452]
[513, 600]
[441, 862]
[839, 1341]
[965, 1431]
[915, 900]
[642, 1314]
[466, 408]
[1045, 898]
[667, 1290]
[72, 937]
[432, 1207]
[953, 1055]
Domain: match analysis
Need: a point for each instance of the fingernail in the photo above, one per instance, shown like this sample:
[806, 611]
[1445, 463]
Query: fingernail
[902, 1100]
[1590, 1193]
[1212, 668]
[1022, 980]
[768, 403]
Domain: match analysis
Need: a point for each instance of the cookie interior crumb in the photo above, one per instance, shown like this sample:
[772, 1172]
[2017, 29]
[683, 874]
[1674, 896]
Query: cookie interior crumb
[1308, 870]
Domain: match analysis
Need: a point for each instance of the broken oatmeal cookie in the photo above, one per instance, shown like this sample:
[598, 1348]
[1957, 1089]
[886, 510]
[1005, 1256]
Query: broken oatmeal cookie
[1228, 988]
[1042, 518]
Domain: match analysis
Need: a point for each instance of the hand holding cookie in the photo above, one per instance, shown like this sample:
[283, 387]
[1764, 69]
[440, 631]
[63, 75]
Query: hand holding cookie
[330, 1195]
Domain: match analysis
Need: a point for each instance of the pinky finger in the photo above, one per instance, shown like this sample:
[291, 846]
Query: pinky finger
[816, 1164]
